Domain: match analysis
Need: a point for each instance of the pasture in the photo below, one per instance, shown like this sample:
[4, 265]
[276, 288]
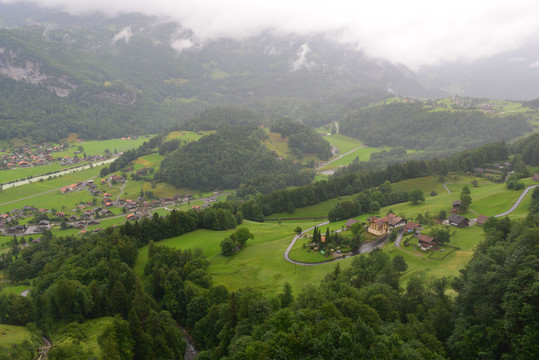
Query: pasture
[12, 334]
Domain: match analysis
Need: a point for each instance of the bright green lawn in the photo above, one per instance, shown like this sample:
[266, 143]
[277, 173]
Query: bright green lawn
[14, 289]
[362, 153]
[12, 334]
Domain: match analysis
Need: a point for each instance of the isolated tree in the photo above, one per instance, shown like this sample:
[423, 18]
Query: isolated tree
[241, 236]
[465, 201]
[298, 230]
[465, 190]
[416, 196]
[228, 246]
[399, 264]
[441, 236]
[374, 206]
[393, 236]
[442, 214]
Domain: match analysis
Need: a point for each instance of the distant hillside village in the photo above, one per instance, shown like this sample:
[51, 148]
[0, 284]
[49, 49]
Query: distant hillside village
[39, 155]
[89, 213]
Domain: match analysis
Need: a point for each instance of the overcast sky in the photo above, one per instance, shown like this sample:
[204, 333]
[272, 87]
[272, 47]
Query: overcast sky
[412, 32]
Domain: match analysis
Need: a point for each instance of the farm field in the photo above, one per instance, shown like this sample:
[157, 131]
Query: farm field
[94, 147]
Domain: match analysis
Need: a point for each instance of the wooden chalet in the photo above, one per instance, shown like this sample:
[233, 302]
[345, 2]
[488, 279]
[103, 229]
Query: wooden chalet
[458, 221]
[425, 242]
[380, 226]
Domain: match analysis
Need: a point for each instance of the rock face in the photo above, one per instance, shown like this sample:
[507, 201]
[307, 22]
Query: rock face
[30, 72]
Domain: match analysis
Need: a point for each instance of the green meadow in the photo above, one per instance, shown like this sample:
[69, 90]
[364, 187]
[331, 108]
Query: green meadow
[260, 264]
[23, 173]
[342, 142]
[12, 334]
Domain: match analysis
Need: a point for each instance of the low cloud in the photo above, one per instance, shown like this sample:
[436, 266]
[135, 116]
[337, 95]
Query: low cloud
[124, 35]
[414, 32]
[301, 62]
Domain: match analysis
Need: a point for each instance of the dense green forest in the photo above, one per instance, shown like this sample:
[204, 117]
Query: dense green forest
[227, 159]
[414, 127]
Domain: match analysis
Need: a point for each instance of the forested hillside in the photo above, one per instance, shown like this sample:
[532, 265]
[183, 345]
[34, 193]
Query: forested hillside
[416, 127]
[226, 160]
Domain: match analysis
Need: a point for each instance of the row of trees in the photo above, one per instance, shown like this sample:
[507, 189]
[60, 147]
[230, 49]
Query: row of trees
[352, 180]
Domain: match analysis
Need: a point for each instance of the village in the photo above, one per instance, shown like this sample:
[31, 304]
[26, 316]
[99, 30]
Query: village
[29, 220]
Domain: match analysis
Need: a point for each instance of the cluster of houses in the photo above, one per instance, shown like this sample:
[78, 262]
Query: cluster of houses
[38, 155]
[380, 226]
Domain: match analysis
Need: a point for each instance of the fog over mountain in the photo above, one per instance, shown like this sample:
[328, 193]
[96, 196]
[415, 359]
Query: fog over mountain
[480, 48]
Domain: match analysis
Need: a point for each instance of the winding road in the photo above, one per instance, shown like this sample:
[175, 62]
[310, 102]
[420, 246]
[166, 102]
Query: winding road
[370, 246]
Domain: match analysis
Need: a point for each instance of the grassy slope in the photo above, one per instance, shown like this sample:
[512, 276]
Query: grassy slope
[12, 334]
[259, 265]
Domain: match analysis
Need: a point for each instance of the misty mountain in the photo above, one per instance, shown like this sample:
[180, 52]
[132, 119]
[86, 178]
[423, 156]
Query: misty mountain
[511, 75]
[147, 69]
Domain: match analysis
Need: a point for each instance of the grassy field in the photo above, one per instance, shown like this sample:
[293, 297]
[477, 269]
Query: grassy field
[363, 154]
[343, 143]
[12, 334]
[488, 199]
[187, 136]
[259, 265]
[419, 264]
[278, 143]
[23, 173]
[427, 184]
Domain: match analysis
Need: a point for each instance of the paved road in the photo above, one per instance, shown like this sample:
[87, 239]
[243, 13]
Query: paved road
[364, 248]
[399, 238]
[25, 293]
[338, 157]
[519, 200]
[287, 251]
